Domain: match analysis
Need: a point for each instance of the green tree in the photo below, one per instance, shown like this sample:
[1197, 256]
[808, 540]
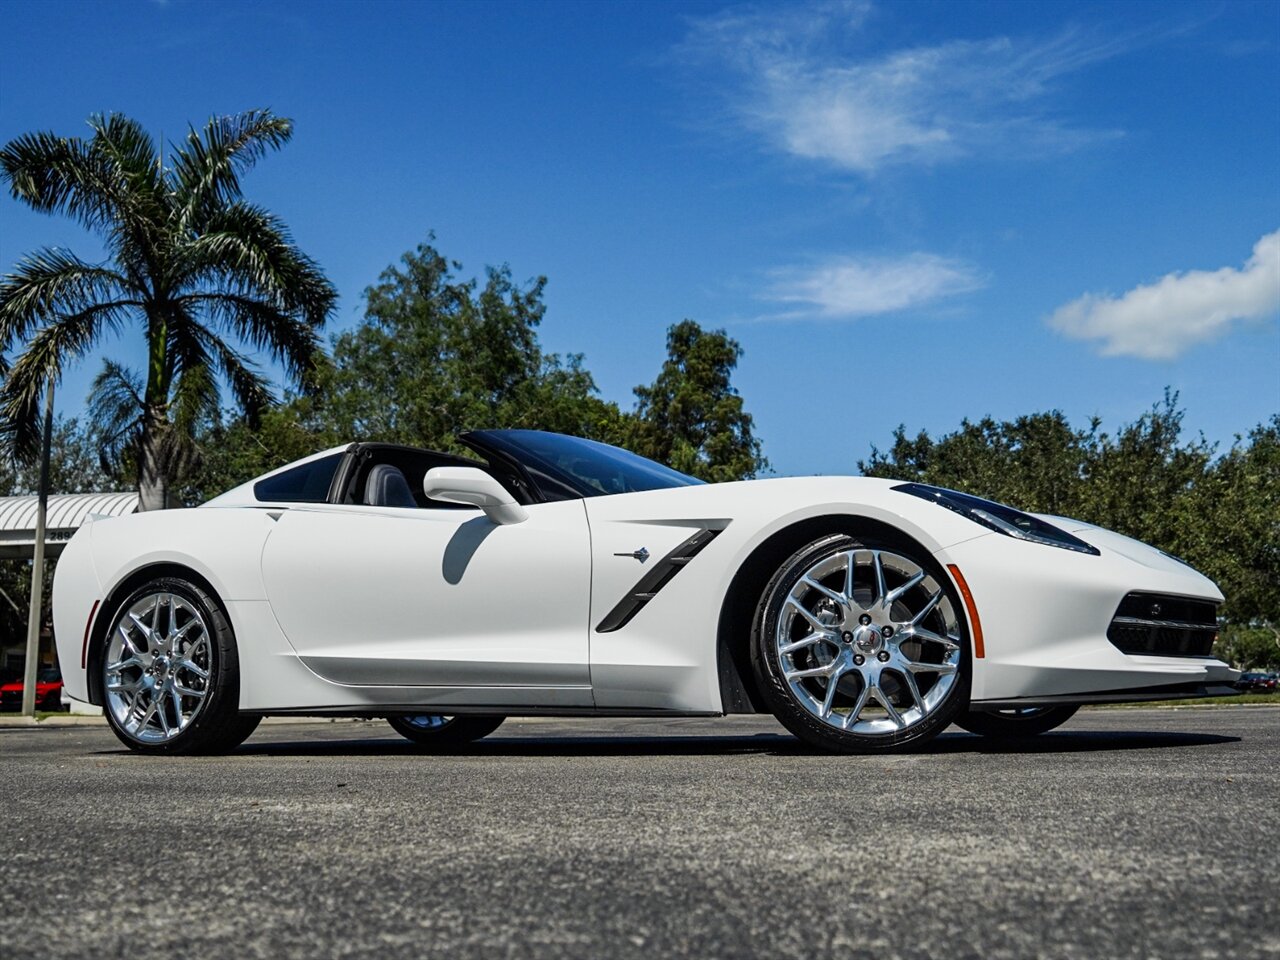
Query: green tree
[437, 355]
[1035, 461]
[691, 418]
[1139, 481]
[1249, 647]
[1142, 482]
[73, 468]
[73, 464]
[191, 262]
[1220, 513]
[1235, 513]
[234, 449]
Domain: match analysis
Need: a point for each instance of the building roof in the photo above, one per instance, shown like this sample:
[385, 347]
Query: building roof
[66, 514]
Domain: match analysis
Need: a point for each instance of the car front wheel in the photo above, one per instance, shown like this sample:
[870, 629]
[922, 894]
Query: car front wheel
[859, 646]
[170, 672]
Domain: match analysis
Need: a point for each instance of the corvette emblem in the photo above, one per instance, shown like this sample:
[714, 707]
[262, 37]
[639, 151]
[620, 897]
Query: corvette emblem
[642, 554]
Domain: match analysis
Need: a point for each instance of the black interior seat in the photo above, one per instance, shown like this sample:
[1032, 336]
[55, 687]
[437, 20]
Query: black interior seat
[387, 487]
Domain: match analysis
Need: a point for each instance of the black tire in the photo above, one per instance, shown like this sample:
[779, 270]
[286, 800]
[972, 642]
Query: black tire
[777, 693]
[446, 733]
[218, 726]
[1015, 724]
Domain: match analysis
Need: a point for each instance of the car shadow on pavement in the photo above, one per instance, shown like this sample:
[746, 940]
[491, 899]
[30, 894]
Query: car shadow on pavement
[1076, 741]
[761, 743]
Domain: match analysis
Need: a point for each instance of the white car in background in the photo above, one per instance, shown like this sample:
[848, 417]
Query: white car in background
[554, 575]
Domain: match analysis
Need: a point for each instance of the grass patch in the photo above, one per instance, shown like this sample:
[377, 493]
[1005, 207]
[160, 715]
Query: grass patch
[40, 714]
[1230, 701]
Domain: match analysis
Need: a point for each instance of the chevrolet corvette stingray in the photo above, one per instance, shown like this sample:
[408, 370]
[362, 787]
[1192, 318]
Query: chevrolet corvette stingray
[555, 575]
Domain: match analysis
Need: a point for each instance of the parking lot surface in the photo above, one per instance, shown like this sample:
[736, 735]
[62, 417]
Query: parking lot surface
[1127, 833]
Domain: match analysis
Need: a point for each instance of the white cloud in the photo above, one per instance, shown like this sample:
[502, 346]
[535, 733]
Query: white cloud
[1159, 321]
[801, 84]
[844, 288]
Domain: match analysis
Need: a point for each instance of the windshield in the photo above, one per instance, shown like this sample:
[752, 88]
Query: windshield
[566, 468]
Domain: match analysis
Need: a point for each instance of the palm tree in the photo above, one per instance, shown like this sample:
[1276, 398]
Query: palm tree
[200, 270]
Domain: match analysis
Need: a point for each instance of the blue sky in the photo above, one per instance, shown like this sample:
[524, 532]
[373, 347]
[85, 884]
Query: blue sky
[905, 212]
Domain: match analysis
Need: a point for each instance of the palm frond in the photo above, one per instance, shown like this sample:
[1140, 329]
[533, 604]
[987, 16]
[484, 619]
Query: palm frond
[139, 230]
[51, 282]
[195, 385]
[115, 408]
[207, 166]
[126, 144]
[55, 174]
[249, 249]
[65, 339]
[290, 341]
[249, 387]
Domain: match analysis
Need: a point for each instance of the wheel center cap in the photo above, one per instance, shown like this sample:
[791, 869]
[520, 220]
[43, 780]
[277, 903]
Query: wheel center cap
[867, 639]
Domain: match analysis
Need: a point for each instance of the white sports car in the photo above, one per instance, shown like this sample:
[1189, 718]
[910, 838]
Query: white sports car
[555, 575]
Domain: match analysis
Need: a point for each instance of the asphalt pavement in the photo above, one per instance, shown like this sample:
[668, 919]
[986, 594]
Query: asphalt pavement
[1127, 833]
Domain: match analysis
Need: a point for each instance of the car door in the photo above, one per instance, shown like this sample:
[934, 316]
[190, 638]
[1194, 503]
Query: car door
[437, 598]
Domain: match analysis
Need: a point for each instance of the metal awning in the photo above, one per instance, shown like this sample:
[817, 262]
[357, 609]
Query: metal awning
[66, 514]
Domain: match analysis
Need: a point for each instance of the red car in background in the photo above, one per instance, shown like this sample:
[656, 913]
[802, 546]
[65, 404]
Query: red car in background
[48, 691]
[1256, 683]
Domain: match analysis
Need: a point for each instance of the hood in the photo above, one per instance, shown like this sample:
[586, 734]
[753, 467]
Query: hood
[1127, 547]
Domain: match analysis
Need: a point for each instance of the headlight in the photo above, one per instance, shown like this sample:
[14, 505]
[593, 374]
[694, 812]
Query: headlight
[998, 517]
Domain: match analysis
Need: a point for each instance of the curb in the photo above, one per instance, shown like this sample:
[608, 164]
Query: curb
[68, 721]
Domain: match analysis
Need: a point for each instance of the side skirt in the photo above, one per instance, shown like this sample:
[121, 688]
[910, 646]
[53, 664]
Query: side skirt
[522, 710]
[1176, 691]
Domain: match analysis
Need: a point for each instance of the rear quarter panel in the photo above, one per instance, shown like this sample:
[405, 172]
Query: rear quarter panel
[76, 590]
[224, 546]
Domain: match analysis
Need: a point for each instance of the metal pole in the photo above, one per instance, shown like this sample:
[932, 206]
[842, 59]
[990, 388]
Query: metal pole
[16, 609]
[36, 608]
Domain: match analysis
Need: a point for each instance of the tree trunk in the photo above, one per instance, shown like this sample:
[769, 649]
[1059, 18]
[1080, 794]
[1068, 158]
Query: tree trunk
[153, 473]
[153, 483]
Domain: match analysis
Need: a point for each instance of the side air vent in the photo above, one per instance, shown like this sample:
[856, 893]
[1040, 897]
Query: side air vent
[1155, 625]
[655, 580]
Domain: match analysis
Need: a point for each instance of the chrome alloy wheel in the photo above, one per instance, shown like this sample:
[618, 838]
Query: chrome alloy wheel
[158, 666]
[868, 642]
[1016, 722]
[1022, 713]
[430, 721]
[439, 732]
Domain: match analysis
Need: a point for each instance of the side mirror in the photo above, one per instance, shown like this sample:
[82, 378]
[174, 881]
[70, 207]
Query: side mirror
[475, 487]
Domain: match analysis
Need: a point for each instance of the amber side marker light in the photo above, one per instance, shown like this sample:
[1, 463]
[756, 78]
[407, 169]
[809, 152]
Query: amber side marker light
[979, 650]
[88, 625]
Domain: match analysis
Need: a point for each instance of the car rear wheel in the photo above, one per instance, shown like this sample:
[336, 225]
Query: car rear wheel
[859, 646]
[1016, 723]
[171, 674]
[444, 733]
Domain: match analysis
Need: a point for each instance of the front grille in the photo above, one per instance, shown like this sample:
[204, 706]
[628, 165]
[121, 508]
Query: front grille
[1156, 625]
